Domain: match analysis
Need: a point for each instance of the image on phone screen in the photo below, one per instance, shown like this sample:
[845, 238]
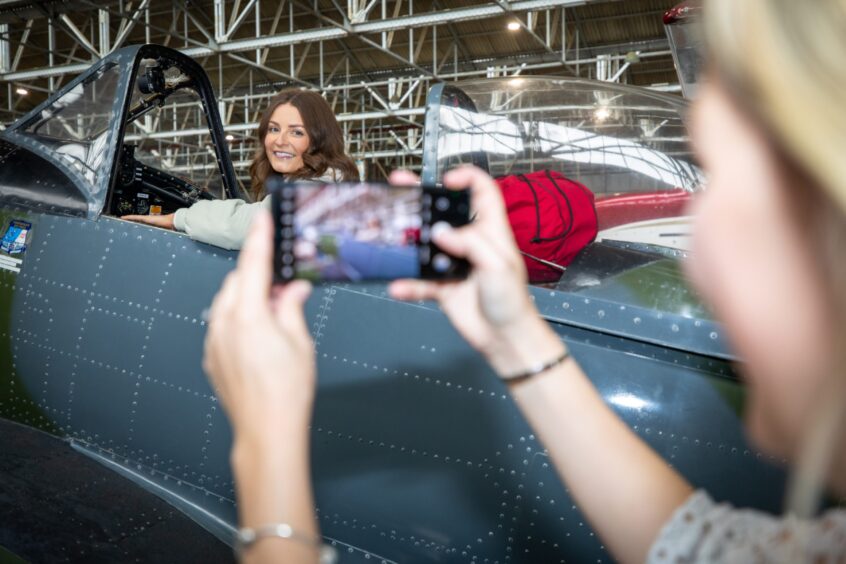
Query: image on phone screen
[363, 231]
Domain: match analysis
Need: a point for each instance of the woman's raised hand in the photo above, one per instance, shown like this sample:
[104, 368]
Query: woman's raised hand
[258, 352]
[491, 308]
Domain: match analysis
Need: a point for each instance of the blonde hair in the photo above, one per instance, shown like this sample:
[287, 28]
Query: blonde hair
[782, 61]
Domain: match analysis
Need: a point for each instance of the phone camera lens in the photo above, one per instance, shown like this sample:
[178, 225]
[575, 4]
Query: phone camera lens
[287, 206]
[287, 272]
[441, 263]
[442, 204]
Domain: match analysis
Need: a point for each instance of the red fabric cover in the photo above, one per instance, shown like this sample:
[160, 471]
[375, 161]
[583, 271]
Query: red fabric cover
[553, 218]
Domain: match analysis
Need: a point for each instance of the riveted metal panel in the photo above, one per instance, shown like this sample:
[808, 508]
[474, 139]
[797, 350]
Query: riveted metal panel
[419, 453]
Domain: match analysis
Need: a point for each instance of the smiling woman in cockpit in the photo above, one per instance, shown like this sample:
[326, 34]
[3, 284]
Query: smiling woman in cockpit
[299, 138]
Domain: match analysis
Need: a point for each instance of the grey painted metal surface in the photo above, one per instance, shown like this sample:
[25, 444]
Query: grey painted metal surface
[418, 451]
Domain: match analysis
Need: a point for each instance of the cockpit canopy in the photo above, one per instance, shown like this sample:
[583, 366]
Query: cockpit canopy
[107, 132]
[614, 139]
[551, 141]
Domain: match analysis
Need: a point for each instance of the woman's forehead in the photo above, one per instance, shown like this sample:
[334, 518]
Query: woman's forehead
[286, 114]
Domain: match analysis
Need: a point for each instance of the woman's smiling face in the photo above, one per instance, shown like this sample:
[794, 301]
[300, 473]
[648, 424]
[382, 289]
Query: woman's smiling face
[286, 140]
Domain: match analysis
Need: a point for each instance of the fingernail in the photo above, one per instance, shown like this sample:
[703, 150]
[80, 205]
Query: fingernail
[440, 228]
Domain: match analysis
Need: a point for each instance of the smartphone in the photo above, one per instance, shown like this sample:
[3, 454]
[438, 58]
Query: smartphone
[363, 231]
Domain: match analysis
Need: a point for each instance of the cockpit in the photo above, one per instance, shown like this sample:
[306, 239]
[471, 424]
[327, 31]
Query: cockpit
[158, 175]
[114, 118]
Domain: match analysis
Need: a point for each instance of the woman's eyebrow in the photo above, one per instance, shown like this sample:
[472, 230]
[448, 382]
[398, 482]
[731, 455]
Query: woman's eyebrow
[290, 125]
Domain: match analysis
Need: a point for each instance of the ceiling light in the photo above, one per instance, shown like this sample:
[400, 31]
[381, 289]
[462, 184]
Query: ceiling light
[516, 81]
[230, 137]
[513, 26]
[602, 113]
[22, 91]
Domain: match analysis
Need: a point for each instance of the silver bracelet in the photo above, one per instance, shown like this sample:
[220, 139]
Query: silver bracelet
[537, 368]
[247, 537]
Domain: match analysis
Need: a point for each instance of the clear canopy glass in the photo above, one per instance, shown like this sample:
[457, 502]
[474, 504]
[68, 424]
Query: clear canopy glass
[611, 138]
[628, 146]
[77, 126]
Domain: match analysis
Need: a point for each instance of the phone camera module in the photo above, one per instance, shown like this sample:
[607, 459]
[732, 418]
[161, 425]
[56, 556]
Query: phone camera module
[442, 204]
[441, 263]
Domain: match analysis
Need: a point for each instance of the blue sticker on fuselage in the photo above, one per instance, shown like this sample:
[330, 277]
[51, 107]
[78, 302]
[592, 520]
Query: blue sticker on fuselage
[14, 240]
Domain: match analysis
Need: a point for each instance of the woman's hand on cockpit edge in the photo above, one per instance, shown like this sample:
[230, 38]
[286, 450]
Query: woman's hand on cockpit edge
[163, 221]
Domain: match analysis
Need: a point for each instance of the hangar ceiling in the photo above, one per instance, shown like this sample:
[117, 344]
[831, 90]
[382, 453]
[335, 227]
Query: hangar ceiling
[373, 59]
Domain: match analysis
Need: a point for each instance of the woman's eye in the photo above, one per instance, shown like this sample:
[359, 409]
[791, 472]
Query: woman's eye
[297, 132]
[273, 130]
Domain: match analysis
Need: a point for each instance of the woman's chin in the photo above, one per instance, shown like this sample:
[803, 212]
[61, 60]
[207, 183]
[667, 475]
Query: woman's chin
[284, 167]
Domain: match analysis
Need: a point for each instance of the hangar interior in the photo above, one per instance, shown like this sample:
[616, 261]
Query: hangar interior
[373, 60]
[419, 452]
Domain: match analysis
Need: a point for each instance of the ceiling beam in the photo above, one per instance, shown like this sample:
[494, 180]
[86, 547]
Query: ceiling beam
[437, 17]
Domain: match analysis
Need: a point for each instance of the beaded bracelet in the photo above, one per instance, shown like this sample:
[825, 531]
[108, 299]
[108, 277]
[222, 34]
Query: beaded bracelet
[246, 537]
[535, 369]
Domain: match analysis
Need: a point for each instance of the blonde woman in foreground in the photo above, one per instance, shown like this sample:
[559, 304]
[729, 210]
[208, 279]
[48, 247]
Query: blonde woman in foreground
[770, 231]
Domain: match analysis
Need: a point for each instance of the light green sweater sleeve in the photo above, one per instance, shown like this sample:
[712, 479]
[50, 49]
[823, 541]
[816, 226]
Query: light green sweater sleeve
[223, 223]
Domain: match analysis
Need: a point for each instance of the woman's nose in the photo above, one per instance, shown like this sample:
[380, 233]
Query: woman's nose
[281, 139]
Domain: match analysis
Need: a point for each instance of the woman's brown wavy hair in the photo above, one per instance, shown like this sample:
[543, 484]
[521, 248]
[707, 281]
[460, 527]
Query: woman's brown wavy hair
[326, 142]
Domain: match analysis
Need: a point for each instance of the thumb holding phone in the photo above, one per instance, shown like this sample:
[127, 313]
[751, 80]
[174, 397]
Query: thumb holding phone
[491, 308]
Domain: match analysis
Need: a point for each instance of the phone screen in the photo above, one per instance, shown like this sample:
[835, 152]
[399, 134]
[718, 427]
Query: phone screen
[363, 231]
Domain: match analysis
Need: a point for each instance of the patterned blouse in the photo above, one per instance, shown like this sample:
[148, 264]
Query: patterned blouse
[704, 531]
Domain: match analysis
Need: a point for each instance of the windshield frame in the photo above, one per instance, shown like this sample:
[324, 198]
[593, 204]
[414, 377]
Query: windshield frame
[200, 84]
[127, 60]
[93, 196]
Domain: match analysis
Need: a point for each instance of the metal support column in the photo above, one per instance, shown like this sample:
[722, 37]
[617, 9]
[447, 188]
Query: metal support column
[5, 49]
[105, 32]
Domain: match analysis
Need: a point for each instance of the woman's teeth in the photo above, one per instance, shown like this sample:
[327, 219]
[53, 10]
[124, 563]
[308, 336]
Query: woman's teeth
[282, 155]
